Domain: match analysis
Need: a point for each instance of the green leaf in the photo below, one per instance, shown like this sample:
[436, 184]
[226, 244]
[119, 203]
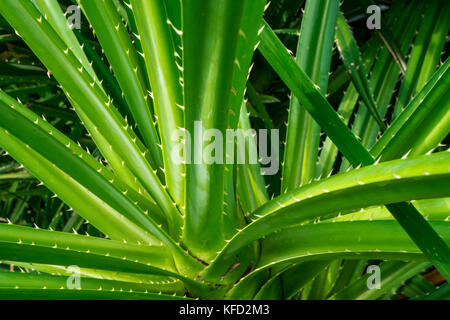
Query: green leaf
[351, 240]
[315, 103]
[250, 184]
[122, 57]
[293, 279]
[247, 43]
[26, 244]
[54, 15]
[425, 54]
[422, 124]
[393, 274]
[314, 51]
[165, 75]
[413, 179]
[385, 74]
[318, 107]
[351, 56]
[32, 286]
[90, 102]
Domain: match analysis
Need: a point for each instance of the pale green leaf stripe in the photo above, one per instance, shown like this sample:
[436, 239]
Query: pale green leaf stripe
[136, 41]
[16, 176]
[52, 11]
[251, 187]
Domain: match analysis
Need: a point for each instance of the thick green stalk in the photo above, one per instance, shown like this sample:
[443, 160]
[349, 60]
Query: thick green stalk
[210, 35]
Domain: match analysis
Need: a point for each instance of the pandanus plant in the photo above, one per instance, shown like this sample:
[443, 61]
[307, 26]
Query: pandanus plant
[365, 177]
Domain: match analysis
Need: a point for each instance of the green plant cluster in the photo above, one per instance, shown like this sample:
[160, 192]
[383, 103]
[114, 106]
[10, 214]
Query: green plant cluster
[87, 179]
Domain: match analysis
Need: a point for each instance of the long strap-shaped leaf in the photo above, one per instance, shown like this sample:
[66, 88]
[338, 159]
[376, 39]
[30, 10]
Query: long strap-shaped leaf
[25, 244]
[32, 286]
[352, 59]
[386, 34]
[315, 103]
[291, 280]
[385, 74]
[419, 178]
[247, 43]
[432, 209]
[63, 248]
[210, 35]
[109, 82]
[353, 150]
[250, 183]
[355, 240]
[165, 75]
[157, 282]
[314, 51]
[313, 244]
[52, 11]
[67, 187]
